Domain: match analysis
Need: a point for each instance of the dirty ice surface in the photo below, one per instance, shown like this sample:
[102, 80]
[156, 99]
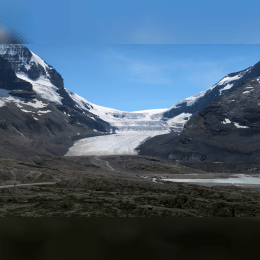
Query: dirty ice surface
[240, 179]
[115, 144]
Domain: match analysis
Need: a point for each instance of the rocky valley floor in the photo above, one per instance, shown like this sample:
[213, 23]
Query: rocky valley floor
[114, 186]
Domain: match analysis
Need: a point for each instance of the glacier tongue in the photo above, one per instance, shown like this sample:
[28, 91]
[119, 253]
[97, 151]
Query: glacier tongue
[116, 144]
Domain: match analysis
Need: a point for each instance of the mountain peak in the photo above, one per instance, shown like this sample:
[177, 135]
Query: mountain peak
[24, 61]
[28, 66]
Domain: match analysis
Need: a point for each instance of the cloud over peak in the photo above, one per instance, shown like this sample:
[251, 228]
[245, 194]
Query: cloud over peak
[10, 36]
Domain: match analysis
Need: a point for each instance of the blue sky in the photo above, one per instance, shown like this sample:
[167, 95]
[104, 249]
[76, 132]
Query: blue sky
[138, 55]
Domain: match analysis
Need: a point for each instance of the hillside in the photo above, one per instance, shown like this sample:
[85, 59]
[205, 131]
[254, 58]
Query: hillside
[226, 131]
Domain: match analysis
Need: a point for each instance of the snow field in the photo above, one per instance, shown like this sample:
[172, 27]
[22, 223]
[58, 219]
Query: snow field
[228, 86]
[43, 87]
[227, 121]
[137, 121]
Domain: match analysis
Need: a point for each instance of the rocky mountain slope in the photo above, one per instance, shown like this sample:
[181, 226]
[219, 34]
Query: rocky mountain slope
[32, 125]
[228, 130]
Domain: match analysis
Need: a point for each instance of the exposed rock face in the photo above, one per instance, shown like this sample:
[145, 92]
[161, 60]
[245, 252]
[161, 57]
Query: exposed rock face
[17, 54]
[27, 130]
[228, 130]
[8, 79]
[24, 94]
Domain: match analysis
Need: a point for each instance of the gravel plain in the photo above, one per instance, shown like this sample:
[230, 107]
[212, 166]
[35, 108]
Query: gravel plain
[109, 186]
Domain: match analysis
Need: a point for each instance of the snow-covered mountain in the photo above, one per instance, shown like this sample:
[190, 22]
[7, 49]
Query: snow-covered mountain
[46, 81]
[200, 101]
[48, 84]
[145, 120]
[174, 118]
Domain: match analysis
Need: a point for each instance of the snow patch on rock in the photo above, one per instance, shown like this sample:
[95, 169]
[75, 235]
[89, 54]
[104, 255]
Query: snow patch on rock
[227, 79]
[190, 100]
[228, 86]
[226, 121]
[240, 126]
[5, 97]
[44, 112]
[26, 111]
[36, 103]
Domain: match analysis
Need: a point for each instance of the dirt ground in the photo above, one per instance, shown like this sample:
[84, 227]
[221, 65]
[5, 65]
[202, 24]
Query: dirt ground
[109, 186]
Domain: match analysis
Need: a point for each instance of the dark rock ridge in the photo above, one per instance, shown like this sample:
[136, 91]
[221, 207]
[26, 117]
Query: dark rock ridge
[228, 84]
[228, 130]
[24, 94]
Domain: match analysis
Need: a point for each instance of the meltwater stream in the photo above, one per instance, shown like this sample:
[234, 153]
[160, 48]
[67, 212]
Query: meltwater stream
[240, 179]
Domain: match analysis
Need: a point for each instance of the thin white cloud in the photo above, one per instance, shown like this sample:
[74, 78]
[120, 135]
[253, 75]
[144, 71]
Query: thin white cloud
[134, 70]
[139, 68]
[200, 73]
[147, 72]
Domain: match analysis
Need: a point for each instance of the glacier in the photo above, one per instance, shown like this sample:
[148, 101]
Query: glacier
[145, 120]
[115, 144]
